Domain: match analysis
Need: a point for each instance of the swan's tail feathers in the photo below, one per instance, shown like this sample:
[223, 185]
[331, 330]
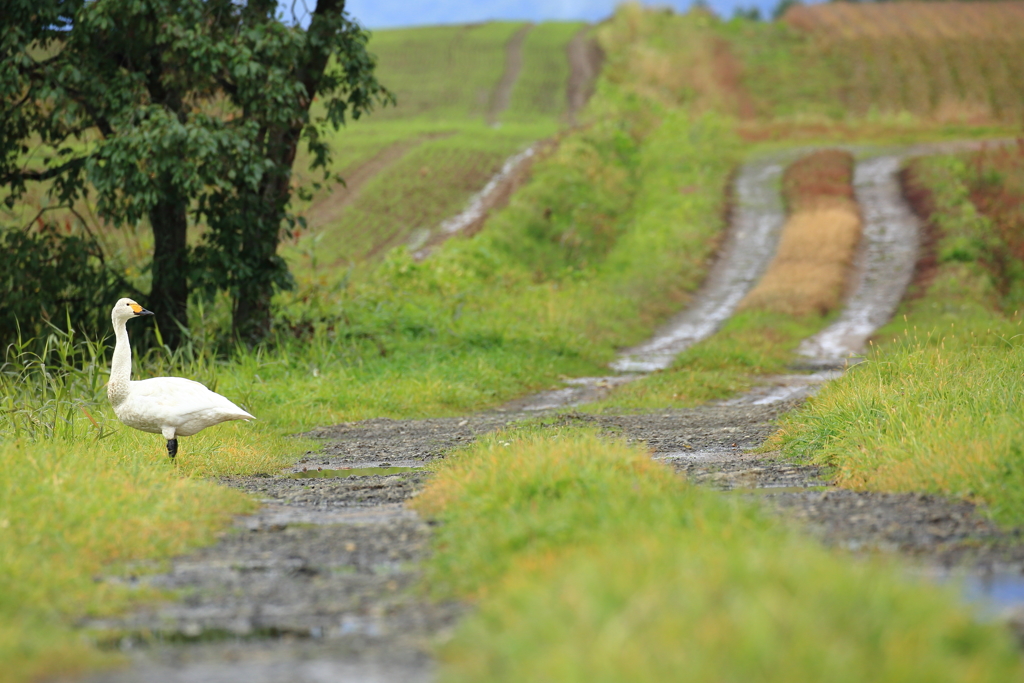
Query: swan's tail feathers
[242, 415]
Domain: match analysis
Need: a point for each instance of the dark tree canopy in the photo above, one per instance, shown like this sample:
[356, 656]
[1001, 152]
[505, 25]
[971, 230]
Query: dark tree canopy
[179, 110]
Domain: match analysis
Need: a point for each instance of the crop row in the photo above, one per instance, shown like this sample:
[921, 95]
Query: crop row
[944, 61]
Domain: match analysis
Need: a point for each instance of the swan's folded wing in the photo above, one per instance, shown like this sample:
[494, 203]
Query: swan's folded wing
[180, 399]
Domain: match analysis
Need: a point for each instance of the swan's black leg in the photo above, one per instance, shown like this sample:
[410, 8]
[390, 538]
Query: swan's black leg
[172, 447]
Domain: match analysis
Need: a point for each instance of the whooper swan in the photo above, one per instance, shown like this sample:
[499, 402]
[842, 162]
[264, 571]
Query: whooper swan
[172, 406]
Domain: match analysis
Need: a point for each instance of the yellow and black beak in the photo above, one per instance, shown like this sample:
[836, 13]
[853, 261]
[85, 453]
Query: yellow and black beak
[139, 310]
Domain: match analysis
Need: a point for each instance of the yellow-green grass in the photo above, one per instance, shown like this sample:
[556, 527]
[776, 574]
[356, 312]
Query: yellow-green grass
[591, 562]
[587, 257]
[82, 495]
[407, 201]
[442, 72]
[480, 322]
[444, 78]
[936, 407]
[68, 513]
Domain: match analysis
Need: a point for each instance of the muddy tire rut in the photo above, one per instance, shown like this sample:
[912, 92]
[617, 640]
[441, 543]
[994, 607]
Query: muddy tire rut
[320, 583]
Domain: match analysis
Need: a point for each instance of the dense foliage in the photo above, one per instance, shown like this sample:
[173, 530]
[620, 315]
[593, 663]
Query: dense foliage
[178, 112]
[50, 278]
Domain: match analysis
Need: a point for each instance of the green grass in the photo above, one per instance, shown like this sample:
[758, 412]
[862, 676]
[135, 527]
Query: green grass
[442, 73]
[444, 78]
[594, 251]
[591, 562]
[936, 407]
[81, 495]
[541, 90]
[408, 201]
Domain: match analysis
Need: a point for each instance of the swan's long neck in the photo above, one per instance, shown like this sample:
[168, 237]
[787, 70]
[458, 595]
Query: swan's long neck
[120, 365]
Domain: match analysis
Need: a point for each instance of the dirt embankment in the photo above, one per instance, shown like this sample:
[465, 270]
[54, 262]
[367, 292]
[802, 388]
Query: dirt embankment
[585, 61]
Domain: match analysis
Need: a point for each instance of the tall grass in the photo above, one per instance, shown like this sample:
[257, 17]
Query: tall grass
[591, 562]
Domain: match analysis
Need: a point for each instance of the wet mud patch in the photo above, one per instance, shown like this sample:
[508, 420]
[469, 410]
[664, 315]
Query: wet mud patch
[330, 492]
[383, 442]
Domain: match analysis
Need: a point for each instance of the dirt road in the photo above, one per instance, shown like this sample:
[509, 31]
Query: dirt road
[319, 585]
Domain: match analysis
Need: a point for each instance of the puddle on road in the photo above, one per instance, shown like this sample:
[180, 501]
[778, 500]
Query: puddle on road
[352, 472]
[993, 593]
[1000, 590]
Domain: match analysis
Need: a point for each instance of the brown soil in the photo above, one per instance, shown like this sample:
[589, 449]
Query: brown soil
[502, 94]
[728, 75]
[585, 60]
[817, 178]
[920, 199]
[813, 266]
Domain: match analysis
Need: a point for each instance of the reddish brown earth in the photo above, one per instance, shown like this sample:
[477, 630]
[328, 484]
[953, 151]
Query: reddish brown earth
[585, 60]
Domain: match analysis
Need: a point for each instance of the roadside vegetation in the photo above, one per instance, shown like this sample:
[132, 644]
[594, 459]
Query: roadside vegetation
[611, 234]
[591, 562]
[936, 406]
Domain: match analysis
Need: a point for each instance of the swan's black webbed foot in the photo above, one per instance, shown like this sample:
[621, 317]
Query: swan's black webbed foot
[172, 447]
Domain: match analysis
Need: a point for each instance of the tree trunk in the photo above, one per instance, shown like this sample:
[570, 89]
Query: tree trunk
[169, 294]
[265, 269]
[251, 317]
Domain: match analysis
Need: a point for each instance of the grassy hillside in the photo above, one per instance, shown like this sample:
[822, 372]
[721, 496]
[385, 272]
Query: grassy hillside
[951, 61]
[418, 163]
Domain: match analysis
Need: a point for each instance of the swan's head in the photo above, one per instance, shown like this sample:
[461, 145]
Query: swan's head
[126, 309]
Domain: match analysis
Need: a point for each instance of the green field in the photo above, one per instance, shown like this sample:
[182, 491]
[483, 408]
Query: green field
[611, 234]
[435, 149]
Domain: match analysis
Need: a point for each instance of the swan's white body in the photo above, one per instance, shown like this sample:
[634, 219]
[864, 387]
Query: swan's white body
[171, 406]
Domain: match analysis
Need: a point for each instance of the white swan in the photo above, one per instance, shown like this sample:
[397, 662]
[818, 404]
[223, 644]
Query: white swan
[172, 406]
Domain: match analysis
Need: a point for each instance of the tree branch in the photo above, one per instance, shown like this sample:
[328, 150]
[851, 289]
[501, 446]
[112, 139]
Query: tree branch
[47, 174]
